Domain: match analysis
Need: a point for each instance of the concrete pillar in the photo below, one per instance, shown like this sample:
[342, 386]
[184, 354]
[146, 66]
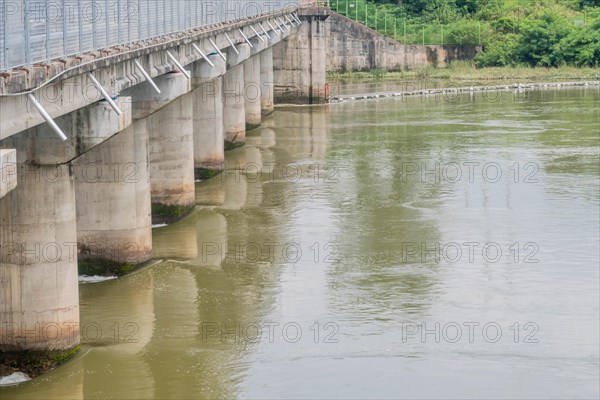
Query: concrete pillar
[171, 159]
[209, 143]
[266, 81]
[167, 117]
[234, 110]
[39, 299]
[112, 187]
[39, 295]
[300, 63]
[252, 92]
[209, 149]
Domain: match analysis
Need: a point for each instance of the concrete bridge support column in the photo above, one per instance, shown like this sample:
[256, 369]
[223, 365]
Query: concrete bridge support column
[252, 92]
[209, 140]
[234, 110]
[234, 107]
[266, 81]
[167, 117]
[112, 186]
[171, 160]
[39, 297]
[209, 145]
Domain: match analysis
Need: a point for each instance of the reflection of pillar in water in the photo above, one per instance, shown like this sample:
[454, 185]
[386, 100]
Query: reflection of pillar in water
[176, 241]
[311, 127]
[210, 192]
[123, 311]
[212, 238]
[236, 188]
[173, 352]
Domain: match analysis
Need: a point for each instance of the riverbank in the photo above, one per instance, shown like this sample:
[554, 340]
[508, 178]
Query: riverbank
[526, 89]
[466, 71]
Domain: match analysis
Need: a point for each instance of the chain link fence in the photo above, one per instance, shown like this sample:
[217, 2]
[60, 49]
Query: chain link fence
[33, 31]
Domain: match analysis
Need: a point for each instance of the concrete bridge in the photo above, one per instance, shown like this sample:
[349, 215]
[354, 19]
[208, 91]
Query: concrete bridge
[107, 111]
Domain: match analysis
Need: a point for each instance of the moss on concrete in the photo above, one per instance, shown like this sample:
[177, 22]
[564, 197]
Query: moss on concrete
[232, 145]
[167, 214]
[103, 267]
[250, 127]
[34, 363]
[206, 173]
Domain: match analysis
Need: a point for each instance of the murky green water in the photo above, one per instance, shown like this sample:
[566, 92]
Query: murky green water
[328, 265]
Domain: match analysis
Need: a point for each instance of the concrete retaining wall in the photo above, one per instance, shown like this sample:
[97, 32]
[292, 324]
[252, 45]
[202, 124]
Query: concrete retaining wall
[351, 46]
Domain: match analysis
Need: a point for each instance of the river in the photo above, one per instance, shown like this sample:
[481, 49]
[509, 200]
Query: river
[423, 247]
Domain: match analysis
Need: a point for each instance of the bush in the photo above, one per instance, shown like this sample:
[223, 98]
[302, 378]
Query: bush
[499, 53]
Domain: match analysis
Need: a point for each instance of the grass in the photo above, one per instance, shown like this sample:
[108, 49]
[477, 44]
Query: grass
[466, 70]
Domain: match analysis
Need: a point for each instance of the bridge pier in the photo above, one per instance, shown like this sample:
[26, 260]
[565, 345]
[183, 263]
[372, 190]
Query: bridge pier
[112, 189]
[209, 142]
[234, 107]
[252, 92]
[39, 295]
[168, 119]
[266, 81]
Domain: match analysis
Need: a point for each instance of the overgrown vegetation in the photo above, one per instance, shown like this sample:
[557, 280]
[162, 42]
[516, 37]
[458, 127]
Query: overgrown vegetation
[534, 33]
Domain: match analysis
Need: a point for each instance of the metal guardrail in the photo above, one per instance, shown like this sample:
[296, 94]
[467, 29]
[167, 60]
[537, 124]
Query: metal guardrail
[34, 31]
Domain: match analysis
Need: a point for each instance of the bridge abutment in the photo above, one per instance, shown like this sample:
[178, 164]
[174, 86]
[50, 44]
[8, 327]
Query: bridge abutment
[300, 61]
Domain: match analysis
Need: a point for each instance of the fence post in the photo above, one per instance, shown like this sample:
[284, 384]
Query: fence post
[395, 28]
[442, 34]
[423, 35]
[348, 8]
[385, 23]
[404, 31]
[479, 32]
